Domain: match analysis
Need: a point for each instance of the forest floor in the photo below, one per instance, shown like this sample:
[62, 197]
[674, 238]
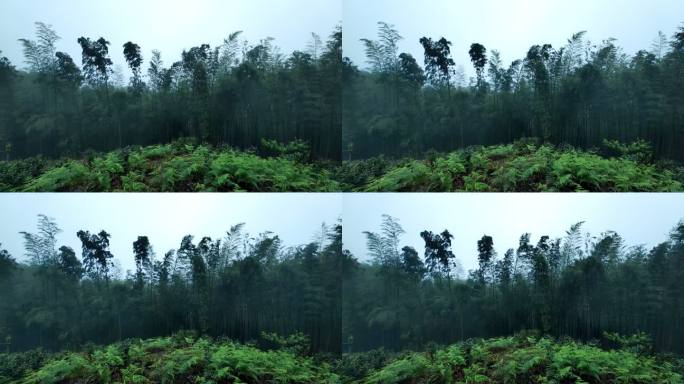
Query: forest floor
[522, 166]
[187, 359]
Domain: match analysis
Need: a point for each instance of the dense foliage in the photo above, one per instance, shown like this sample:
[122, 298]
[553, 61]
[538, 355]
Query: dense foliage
[578, 286]
[521, 167]
[181, 358]
[184, 358]
[578, 94]
[525, 360]
[237, 287]
[176, 167]
[186, 166]
[234, 94]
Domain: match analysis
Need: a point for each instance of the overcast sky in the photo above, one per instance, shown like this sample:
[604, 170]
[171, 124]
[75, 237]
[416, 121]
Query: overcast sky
[508, 26]
[639, 218]
[165, 218]
[167, 25]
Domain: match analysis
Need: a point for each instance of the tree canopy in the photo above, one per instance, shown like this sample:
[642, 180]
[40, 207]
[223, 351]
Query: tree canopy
[237, 286]
[233, 94]
[578, 94]
[576, 286]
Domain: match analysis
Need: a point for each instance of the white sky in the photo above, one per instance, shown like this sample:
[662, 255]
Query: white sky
[165, 218]
[639, 218]
[509, 26]
[167, 25]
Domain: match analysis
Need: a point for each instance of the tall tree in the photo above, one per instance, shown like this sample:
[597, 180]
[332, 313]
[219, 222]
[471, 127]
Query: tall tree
[438, 62]
[97, 66]
[134, 60]
[438, 255]
[97, 259]
[478, 56]
[485, 257]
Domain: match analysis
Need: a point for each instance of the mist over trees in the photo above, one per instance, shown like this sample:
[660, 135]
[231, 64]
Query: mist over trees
[237, 287]
[233, 94]
[576, 286]
[578, 94]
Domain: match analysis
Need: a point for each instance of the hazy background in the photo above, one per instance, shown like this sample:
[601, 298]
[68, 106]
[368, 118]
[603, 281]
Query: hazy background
[640, 218]
[510, 27]
[167, 25]
[165, 217]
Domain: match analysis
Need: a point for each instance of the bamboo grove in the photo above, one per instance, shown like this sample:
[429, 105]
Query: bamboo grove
[232, 94]
[579, 94]
[236, 287]
[577, 286]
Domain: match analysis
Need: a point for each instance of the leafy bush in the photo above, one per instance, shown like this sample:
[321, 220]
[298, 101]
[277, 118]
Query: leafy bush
[297, 150]
[297, 344]
[73, 176]
[640, 151]
[355, 366]
[640, 343]
[16, 365]
[361, 172]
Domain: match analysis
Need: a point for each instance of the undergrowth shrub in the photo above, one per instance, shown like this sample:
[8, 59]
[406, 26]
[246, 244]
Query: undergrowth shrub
[526, 167]
[182, 358]
[181, 166]
[525, 359]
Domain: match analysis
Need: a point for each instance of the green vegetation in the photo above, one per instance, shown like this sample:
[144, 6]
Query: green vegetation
[525, 360]
[184, 358]
[185, 166]
[181, 358]
[521, 167]
[180, 166]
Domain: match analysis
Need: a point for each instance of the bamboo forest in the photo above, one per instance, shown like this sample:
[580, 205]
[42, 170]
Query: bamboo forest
[577, 116]
[243, 308]
[237, 111]
[242, 116]
[341, 192]
[241, 288]
[544, 311]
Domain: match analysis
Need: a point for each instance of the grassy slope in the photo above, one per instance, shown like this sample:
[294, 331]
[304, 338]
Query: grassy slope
[181, 359]
[171, 167]
[520, 167]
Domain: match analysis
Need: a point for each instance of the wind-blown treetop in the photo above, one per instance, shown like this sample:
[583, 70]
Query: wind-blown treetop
[578, 94]
[235, 93]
